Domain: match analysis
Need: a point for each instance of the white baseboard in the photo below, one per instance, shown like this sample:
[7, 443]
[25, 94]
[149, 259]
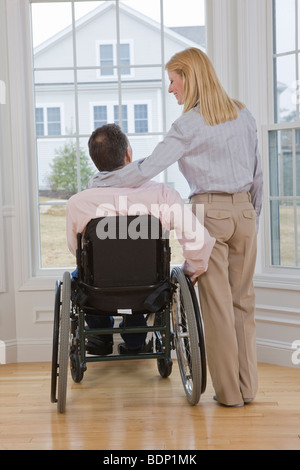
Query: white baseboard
[33, 350]
[279, 353]
[8, 351]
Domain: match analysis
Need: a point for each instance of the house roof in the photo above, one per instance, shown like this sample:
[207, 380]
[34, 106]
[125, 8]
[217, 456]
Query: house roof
[193, 33]
[190, 36]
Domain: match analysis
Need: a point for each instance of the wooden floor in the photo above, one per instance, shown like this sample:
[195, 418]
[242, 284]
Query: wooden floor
[126, 405]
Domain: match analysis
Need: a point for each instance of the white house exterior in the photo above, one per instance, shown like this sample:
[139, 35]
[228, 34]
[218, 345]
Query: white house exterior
[140, 90]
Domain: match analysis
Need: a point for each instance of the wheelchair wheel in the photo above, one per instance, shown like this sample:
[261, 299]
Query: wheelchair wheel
[64, 343]
[164, 366]
[56, 322]
[186, 337]
[201, 337]
[75, 365]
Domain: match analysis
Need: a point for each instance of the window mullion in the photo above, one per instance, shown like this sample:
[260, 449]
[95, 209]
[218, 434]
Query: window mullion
[295, 197]
[76, 98]
[119, 62]
[297, 53]
[164, 113]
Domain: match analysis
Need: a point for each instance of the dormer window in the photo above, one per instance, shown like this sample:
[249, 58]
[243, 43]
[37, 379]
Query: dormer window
[108, 59]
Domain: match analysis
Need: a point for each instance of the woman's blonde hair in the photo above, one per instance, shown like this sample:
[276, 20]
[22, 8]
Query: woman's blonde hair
[202, 86]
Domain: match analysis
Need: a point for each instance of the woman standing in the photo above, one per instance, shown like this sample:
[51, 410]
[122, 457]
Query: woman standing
[215, 144]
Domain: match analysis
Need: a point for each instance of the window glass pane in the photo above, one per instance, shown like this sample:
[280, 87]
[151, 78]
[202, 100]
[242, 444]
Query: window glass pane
[39, 121]
[187, 21]
[284, 160]
[142, 146]
[106, 59]
[53, 119]
[53, 250]
[140, 26]
[51, 30]
[281, 163]
[284, 207]
[297, 140]
[285, 69]
[124, 123]
[46, 152]
[298, 232]
[283, 233]
[95, 25]
[125, 58]
[100, 116]
[298, 25]
[284, 28]
[54, 93]
[57, 166]
[140, 118]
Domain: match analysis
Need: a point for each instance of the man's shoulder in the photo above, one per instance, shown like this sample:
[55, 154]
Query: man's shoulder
[81, 196]
[161, 188]
[77, 196]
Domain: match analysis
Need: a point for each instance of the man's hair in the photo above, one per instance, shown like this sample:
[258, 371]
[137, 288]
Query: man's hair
[107, 147]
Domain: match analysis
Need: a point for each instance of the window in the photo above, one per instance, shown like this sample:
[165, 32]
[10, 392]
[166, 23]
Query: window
[100, 116]
[52, 125]
[140, 118]
[93, 57]
[134, 117]
[53, 117]
[284, 163]
[108, 59]
[284, 137]
[286, 59]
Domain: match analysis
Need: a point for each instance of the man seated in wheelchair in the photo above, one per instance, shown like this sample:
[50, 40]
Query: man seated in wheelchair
[110, 149]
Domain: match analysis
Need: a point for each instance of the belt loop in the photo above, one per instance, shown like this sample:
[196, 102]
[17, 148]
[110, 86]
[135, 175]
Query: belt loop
[210, 198]
[249, 197]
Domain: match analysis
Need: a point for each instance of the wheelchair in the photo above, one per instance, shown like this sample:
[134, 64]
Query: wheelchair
[123, 267]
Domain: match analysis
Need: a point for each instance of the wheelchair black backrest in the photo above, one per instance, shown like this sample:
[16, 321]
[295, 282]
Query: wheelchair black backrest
[124, 251]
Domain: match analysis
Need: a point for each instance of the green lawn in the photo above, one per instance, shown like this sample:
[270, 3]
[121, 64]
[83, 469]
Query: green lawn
[287, 234]
[55, 253]
[54, 250]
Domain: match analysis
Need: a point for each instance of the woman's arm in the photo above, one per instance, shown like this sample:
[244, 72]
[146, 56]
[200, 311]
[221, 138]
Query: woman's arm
[167, 152]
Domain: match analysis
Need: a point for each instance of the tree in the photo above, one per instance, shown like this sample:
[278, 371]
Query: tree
[63, 176]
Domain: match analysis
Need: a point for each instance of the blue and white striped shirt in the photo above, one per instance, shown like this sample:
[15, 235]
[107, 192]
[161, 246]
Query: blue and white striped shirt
[222, 158]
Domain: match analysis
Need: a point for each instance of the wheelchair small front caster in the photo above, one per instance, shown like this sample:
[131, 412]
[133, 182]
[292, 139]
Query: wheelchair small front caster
[164, 366]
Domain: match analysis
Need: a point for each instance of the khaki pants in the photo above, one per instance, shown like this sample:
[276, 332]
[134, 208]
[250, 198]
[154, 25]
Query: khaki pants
[227, 296]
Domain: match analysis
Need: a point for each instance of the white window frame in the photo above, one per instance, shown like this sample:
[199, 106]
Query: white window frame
[45, 107]
[288, 272]
[115, 67]
[30, 276]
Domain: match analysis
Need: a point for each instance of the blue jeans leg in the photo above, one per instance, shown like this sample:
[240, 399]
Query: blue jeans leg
[134, 340]
[100, 321]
